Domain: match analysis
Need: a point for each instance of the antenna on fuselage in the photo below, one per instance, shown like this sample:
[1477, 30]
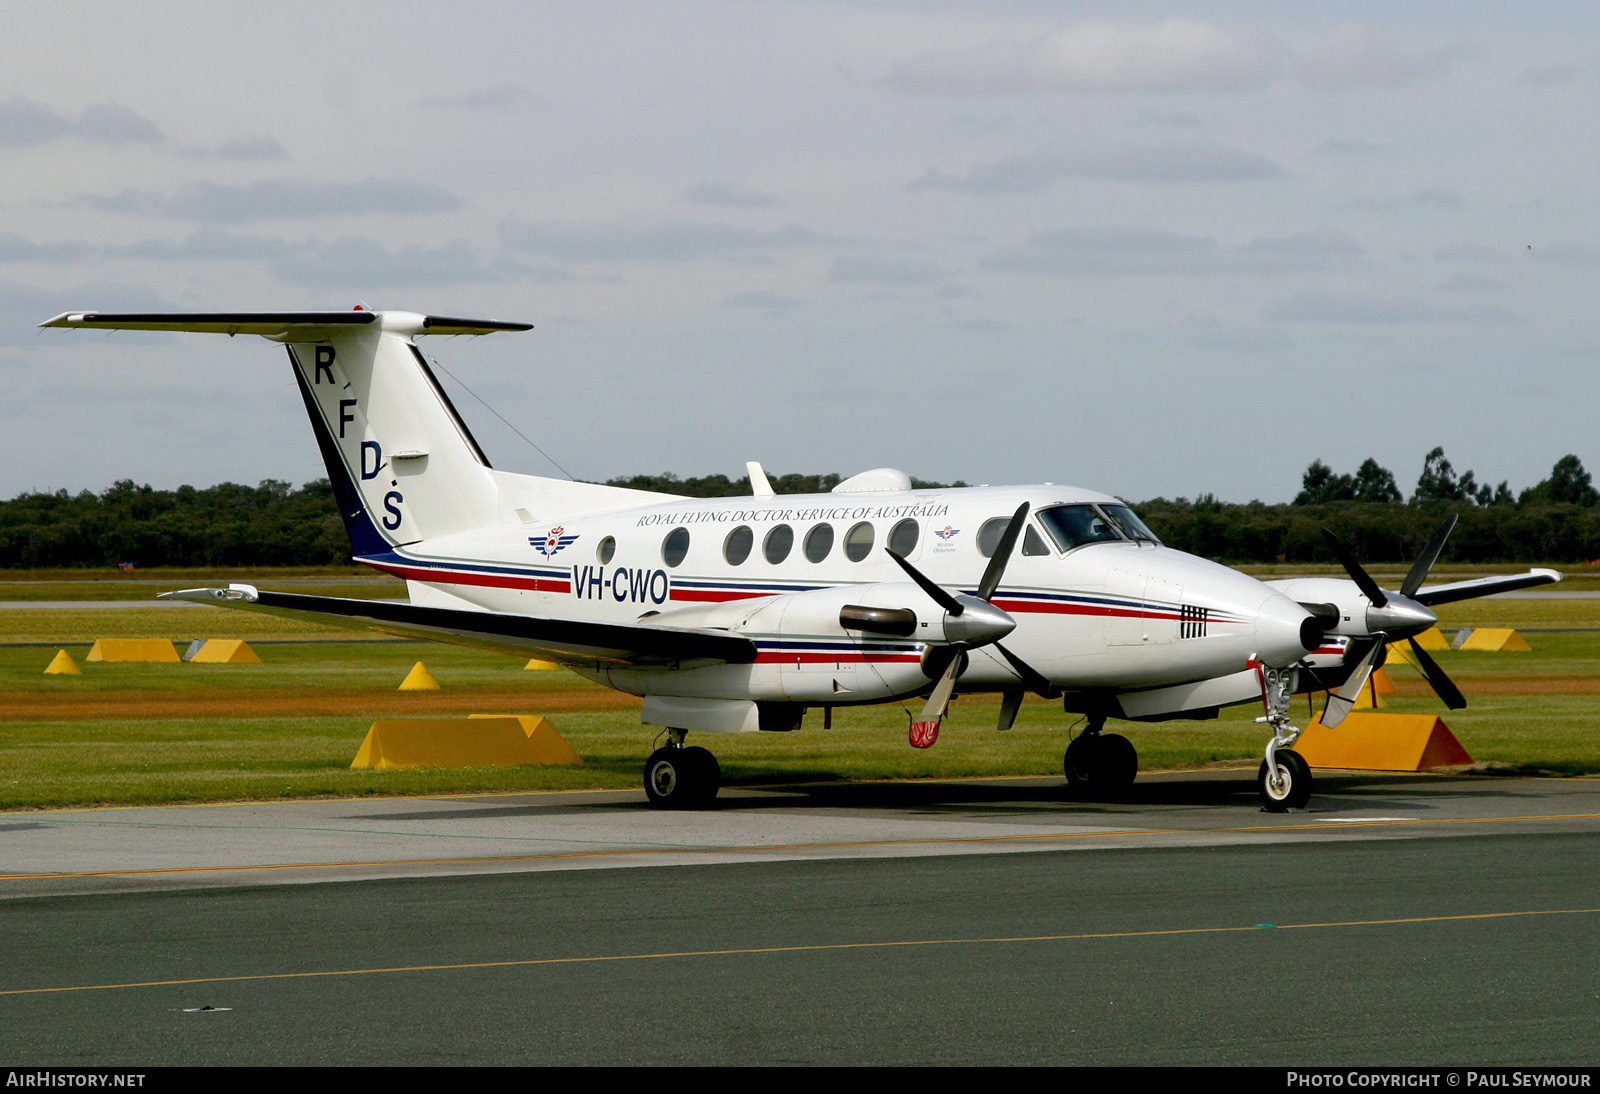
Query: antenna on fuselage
[759, 486]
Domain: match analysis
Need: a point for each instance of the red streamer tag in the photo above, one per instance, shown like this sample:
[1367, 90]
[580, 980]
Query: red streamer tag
[923, 734]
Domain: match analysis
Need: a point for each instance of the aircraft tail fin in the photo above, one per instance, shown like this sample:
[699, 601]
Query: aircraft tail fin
[403, 464]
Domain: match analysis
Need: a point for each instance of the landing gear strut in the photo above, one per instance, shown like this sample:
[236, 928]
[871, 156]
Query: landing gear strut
[1284, 780]
[1103, 763]
[676, 777]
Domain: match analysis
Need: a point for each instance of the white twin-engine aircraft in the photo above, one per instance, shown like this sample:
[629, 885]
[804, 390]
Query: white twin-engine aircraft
[739, 614]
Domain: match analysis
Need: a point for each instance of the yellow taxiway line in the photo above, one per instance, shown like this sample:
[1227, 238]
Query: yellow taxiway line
[815, 948]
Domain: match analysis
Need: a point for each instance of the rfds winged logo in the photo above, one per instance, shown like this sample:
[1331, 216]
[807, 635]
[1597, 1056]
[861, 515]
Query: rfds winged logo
[553, 542]
[947, 532]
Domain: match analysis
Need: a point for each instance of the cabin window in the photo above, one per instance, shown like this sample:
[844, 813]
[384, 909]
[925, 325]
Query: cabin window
[675, 546]
[1033, 542]
[1074, 525]
[989, 535]
[736, 548]
[858, 542]
[778, 543]
[606, 549]
[903, 537]
[819, 541]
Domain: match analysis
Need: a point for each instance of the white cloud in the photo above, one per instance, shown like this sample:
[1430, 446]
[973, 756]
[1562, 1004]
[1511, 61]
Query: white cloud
[1364, 56]
[25, 123]
[1077, 252]
[884, 270]
[1362, 309]
[496, 98]
[729, 195]
[19, 248]
[1156, 163]
[1173, 55]
[253, 147]
[763, 300]
[278, 199]
[651, 240]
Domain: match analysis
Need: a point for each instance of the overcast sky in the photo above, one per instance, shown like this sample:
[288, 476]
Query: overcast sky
[1147, 248]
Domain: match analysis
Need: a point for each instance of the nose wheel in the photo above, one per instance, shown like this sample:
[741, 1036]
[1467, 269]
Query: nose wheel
[1102, 763]
[1291, 788]
[676, 777]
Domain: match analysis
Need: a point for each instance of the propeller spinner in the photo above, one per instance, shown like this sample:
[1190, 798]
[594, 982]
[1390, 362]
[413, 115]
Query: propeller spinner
[971, 622]
[1390, 617]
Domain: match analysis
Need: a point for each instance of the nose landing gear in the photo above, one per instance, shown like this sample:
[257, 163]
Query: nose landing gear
[1284, 780]
[1102, 763]
[676, 777]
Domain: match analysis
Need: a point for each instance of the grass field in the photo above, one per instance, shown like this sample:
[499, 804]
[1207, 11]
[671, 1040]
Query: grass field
[129, 733]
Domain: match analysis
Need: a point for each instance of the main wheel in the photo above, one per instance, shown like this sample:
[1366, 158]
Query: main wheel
[1115, 764]
[1294, 788]
[707, 773]
[1078, 763]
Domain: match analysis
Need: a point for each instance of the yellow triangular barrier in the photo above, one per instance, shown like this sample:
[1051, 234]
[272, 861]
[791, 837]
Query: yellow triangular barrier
[225, 651]
[1498, 639]
[62, 664]
[481, 740]
[1368, 741]
[1432, 639]
[419, 679]
[536, 665]
[1382, 684]
[133, 649]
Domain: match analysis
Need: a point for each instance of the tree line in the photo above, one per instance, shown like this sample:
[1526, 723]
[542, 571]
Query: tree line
[275, 524]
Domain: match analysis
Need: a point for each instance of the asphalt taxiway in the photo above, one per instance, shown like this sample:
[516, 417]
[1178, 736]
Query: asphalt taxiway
[1402, 919]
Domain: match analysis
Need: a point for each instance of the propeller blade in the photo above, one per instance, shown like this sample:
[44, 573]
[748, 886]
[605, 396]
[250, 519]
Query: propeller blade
[1429, 555]
[938, 593]
[1369, 588]
[1341, 702]
[939, 701]
[1002, 554]
[1031, 677]
[1441, 683]
[1010, 703]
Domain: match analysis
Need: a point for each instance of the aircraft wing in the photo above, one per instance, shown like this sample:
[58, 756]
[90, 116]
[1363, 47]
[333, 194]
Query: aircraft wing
[566, 641]
[1484, 586]
[300, 325]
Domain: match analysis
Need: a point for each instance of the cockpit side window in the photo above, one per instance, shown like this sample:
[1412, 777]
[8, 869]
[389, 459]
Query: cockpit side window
[1074, 525]
[1033, 542]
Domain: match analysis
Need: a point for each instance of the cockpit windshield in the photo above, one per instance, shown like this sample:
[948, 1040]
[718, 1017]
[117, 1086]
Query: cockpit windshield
[1131, 525]
[1074, 525]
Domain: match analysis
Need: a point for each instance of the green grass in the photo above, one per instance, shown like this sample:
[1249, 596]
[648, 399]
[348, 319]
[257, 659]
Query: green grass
[1526, 711]
[88, 585]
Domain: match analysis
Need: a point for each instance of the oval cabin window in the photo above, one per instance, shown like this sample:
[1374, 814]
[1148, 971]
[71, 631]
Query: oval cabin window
[858, 542]
[736, 548]
[778, 543]
[903, 537]
[819, 541]
[675, 546]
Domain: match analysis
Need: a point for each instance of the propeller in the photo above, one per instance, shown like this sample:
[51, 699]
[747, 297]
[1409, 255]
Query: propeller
[971, 622]
[1393, 616]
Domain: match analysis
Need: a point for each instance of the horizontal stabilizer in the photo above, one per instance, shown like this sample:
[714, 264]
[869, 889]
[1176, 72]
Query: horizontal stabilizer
[1484, 586]
[279, 324]
[566, 641]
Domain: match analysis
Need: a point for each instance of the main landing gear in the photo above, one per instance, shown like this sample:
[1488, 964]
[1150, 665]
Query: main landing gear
[1284, 780]
[676, 777]
[1103, 763]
